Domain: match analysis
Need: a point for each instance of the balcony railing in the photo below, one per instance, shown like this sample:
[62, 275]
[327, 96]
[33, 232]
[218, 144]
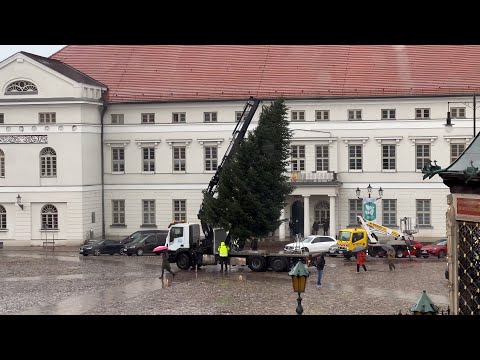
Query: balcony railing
[312, 176]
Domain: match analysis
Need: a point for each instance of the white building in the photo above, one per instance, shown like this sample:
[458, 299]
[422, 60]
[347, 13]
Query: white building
[161, 147]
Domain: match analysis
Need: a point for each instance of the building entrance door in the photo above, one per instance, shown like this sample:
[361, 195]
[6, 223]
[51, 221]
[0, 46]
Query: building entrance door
[297, 217]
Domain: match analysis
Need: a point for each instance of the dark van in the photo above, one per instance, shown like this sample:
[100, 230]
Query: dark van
[145, 244]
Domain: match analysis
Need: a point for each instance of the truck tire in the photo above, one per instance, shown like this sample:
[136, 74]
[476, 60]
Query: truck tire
[278, 264]
[347, 256]
[183, 261]
[257, 263]
[399, 252]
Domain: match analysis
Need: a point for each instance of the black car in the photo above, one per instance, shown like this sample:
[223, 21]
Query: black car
[145, 244]
[140, 233]
[102, 247]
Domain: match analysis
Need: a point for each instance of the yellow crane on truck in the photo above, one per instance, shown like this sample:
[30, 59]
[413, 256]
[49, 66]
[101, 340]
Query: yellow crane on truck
[365, 236]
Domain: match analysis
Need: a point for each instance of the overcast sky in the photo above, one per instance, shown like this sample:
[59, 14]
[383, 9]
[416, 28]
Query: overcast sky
[42, 50]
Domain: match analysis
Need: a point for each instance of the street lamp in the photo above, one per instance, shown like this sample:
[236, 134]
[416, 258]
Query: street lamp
[299, 280]
[369, 191]
[448, 124]
[19, 201]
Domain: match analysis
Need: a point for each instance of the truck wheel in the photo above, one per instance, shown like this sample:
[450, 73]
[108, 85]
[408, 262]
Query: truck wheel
[399, 252]
[278, 264]
[183, 261]
[347, 256]
[257, 263]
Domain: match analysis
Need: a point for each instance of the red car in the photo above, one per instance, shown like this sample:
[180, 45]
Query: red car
[415, 250]
[439, 248]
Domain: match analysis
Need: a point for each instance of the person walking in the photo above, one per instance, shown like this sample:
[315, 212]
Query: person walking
[315, 227]
[320, 266]
[223, 252]
[391, 258]
[326, 226]
[166, 264]
[361, 257]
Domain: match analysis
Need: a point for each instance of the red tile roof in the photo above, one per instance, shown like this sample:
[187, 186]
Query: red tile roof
[200, 72]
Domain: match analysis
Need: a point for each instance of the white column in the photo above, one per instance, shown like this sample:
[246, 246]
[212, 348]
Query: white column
[333, 224]
[306, 215]
[281, 229]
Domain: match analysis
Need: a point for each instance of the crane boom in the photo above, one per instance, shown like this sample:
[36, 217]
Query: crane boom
[237, 136]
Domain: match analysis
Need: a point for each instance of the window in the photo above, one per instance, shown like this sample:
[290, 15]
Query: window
[389, 157]
[148, 118]
[117, 119]
[422, 113]
[422, 155]
[355, 209]
[298, 157]
[355, 157]
[48, 162]
[322, 157]
[238, 115]
[2, 118]
[3, 218]
[321, 115]
[180, 210]
[457, 112]
[118, 160]
[46, 118]
[455, 151]
[389, 207]
[423, 212]
[93, 217]
[322, 212]
[49, 217]
[210, 117]
[118, 212]
[148, 212]
[298, 115]
[354, 114]
[388, 114]
[149, 159]
[2, 163]
[211, 158]
[179, 158]
[179, 117]
[21, 87]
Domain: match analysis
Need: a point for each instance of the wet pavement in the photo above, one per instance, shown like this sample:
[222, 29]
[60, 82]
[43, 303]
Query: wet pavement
[36, 281]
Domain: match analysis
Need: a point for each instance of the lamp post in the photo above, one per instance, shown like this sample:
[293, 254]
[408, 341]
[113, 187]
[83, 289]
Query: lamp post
[369, 191]
[448, 124]
[299, 280]
[19, 201]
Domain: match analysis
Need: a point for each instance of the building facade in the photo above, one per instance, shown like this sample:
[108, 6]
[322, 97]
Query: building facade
[79, 161]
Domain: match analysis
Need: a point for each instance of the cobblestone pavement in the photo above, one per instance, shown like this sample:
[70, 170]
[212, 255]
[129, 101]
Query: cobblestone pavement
[62, 282]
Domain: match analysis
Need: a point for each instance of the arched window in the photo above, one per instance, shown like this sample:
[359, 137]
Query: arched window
[21, 87]
[2, 163]
[48, 162]
[3, 217]
[49, 217]
[322, 212]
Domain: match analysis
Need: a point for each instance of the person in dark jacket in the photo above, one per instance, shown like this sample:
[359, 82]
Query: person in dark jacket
[166, 264]
[326, 226]
[315, 227]
[320, 266]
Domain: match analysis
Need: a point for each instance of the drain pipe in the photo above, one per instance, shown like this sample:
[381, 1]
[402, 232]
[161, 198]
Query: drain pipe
[104, 109]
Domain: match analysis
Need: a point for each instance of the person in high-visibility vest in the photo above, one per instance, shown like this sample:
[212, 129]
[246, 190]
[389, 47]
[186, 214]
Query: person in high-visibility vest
[223, 252]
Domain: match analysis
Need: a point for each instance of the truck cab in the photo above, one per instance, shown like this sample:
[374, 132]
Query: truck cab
[349, 238]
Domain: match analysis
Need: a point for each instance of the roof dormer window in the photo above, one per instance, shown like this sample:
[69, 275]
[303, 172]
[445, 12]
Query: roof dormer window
[21, 87]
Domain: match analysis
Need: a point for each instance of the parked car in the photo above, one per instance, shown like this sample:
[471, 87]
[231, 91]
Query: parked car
[313, 244]
[145, 244]
[141, 233]
[102, 247]
[438, 248]
[415, 250]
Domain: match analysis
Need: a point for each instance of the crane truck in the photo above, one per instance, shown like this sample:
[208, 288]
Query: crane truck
[188, 248]
[366, 236]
